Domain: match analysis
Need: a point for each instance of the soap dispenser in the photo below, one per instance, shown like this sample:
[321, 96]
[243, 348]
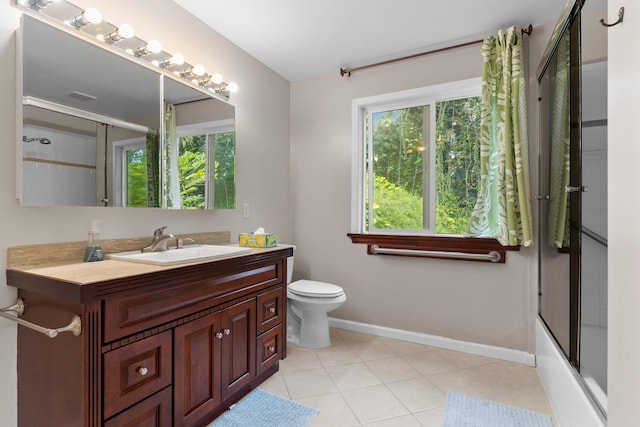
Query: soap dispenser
[93, 252]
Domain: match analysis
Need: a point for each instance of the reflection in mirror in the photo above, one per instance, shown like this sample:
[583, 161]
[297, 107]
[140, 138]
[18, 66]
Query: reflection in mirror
[58, 158]
[72, 83]
[199, 149]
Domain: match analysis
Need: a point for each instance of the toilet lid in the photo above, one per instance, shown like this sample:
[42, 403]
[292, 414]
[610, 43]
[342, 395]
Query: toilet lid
[311, 288]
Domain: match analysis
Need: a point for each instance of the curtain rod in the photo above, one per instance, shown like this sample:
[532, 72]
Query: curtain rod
[348, 71]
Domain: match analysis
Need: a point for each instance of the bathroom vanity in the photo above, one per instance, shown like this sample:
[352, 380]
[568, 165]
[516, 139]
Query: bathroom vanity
[159, 345]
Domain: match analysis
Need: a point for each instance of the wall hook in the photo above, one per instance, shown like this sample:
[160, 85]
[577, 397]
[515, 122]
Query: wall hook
[620, 18]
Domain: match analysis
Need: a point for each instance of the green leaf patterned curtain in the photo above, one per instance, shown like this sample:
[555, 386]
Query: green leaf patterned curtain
[560, 151]
[172, 175]
[153, 168]
[503, 208]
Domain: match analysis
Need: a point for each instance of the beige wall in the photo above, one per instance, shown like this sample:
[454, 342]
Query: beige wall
[262, 118]
[477, 302]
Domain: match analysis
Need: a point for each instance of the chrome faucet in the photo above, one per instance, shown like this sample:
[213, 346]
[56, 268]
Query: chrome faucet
[159, 242]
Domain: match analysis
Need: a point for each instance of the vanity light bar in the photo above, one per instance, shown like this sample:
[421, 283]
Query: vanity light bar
[39, 4]
[148, 51]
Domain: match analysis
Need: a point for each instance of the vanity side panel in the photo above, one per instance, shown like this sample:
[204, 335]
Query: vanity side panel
[57, 380]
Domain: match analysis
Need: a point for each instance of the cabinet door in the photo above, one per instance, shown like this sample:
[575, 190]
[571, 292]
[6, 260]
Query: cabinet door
[197, 347]
[239, 346]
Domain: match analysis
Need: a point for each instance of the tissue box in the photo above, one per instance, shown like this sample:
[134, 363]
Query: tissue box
[267, 240]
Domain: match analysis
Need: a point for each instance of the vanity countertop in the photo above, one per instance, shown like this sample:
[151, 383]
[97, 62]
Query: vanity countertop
[83, 281]
[84, 273]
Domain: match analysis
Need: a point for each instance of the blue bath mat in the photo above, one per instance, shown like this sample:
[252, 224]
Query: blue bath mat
[466, 411]
[263, 409]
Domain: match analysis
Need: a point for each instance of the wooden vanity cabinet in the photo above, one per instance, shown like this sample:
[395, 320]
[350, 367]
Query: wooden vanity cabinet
[174, 347]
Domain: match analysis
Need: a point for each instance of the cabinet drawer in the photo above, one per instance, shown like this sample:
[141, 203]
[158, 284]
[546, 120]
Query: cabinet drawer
[269, 347]
[270, 306]
[154, 411]
[131, 314]
[135, 371]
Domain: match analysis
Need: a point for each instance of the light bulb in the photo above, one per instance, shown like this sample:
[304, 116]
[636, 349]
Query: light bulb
[217, 78]
[152, 46]
[175, 59]
[232, 87]
[198, 70]
[90, 16]
[125, 31]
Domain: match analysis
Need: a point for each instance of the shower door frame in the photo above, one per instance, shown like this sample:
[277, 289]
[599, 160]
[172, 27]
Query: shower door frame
[570, 22]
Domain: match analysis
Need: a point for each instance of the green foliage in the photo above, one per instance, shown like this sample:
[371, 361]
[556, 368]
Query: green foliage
[225, 171]
[457, 163]
[395, 208]
[137, 178]
[192, 171]
[398, 144]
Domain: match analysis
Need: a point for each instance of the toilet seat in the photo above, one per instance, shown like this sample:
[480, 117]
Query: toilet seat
[313, 289]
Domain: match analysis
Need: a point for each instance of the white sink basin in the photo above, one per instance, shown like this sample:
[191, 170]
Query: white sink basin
[184, 255]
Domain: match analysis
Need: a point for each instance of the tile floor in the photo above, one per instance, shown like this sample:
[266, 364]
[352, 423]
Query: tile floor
[363, 380]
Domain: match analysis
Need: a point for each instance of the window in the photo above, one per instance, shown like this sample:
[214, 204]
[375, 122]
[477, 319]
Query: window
[130, 173]
[206, 167]
[416, 160]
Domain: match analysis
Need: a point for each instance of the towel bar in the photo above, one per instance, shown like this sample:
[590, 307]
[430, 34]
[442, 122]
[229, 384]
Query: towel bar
[493, 256]
[75, 326]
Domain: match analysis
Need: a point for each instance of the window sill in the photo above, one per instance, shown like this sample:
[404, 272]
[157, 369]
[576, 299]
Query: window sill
[457, 248]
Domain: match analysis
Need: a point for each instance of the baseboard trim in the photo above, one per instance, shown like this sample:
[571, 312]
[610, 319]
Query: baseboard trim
[437, 341]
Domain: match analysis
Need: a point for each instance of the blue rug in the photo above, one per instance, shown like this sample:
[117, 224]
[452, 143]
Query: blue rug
[466, 411]
[263, 409]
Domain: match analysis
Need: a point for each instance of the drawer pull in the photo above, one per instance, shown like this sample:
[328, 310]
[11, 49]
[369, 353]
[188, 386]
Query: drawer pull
[227, 332]
[143, 371]
[219, 335]
[272, 310]
[272, 349]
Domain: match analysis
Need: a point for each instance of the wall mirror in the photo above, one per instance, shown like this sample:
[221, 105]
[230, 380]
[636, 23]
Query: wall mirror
[102, 129]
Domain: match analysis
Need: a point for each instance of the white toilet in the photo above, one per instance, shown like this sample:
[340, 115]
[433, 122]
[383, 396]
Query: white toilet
[308, 303]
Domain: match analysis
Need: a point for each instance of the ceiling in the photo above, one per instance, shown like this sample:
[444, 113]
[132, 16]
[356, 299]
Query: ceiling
[300, 39]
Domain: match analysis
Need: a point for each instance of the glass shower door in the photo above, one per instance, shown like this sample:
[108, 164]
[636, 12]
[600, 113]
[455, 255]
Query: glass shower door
[573, 203]
[555, 207]
[593, 296]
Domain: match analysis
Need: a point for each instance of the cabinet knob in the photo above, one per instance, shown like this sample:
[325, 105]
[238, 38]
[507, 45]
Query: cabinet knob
[272, 310]
[143, 371]
[227, 332]
[272, 349]
[219, 335]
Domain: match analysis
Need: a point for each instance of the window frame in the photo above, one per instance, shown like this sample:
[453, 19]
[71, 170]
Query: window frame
[412, 240]
[120, 167]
